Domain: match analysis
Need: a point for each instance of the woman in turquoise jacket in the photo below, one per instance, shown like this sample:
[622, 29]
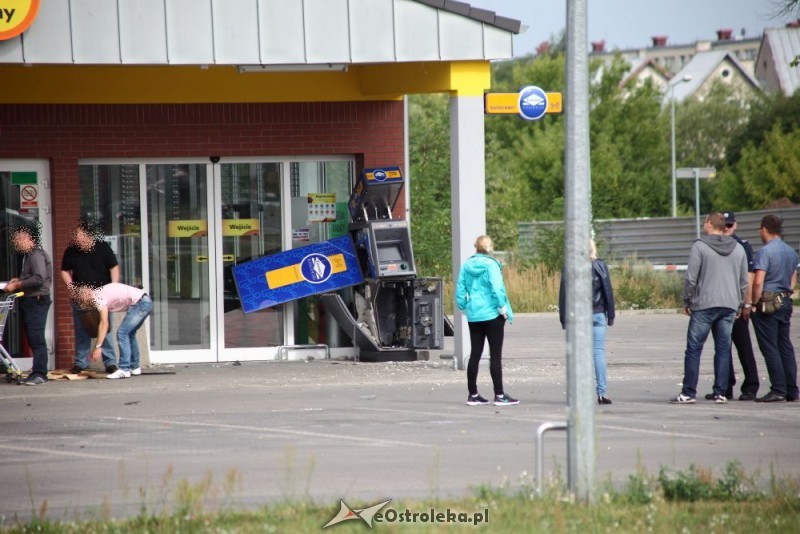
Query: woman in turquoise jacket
[481, 295]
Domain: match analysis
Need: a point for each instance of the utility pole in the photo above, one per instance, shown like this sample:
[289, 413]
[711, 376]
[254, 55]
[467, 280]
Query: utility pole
[581, 455]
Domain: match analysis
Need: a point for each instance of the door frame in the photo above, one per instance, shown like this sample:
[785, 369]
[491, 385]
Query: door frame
[225, 354]
[217, 352]
[42, 169]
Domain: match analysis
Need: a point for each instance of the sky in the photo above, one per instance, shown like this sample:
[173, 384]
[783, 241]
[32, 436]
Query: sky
[632, 23]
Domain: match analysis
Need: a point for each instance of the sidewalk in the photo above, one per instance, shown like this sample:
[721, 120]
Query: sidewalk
[330, 430]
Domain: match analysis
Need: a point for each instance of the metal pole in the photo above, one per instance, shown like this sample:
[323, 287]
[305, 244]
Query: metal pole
[672, 130]
[580, 443]
[686, 78]
[697, 200]
[544, 427]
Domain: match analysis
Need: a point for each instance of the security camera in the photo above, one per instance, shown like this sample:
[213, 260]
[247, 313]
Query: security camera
[213, 159]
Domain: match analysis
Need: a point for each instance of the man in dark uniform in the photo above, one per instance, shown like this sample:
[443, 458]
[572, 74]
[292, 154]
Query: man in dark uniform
[89, 261]
[740, 335]
[773, 286]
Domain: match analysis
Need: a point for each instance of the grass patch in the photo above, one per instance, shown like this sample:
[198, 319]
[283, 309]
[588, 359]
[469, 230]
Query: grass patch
[534, 287]
[689, 501]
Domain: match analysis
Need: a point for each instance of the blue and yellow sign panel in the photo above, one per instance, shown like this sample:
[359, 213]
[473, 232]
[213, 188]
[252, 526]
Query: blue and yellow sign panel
[509, 103]
[376, 178]
[297, 273]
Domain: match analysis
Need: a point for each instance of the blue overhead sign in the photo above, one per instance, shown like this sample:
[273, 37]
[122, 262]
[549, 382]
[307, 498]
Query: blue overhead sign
[532, 103]
[297, 273]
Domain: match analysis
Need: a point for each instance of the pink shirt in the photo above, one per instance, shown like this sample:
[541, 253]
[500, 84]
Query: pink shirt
[117, 297]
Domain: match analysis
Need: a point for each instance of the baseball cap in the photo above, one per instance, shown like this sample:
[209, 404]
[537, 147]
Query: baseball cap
[730, 217]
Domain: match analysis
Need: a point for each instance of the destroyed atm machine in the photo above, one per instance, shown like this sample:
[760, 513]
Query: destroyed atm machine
[394, 313]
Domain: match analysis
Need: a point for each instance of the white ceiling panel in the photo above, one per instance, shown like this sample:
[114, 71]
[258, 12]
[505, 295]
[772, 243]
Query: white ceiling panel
[235, 31]
[49, 40]
[11, 51]
[372, 31]
[460, 37]
[95, 36]
[416, 31]
[143, 37]
[496, 42]
[267, 32]
[327, 31]
[189, 32]
[282, 31]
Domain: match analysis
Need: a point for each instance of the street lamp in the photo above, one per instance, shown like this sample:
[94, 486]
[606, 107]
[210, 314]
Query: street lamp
[686, 78]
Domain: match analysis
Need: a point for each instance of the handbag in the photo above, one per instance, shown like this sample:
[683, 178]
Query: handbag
[770, 302]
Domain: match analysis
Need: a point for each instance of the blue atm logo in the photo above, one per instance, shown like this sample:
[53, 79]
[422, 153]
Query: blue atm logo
[316, 268]
[379, 175]
[532, 103]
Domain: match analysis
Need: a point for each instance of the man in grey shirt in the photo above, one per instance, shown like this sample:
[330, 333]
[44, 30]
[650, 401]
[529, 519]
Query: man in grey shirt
[713, 295]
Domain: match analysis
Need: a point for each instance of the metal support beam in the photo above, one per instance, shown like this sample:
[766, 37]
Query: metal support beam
[580, 443]
[468, 196]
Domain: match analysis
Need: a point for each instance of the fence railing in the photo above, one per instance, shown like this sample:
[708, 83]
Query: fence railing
[661, 240]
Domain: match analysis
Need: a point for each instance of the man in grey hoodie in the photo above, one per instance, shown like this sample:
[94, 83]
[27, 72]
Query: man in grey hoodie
[713, 294]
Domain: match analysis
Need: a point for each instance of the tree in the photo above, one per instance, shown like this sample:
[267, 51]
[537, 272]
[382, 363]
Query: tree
[766, 173]
[770, 118]
[429, 140]
[704, 129]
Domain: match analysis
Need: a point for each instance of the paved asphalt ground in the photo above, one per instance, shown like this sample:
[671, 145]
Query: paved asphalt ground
[324, 430]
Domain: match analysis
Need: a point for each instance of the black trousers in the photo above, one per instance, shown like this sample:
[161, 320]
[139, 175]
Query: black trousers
[479, 332]
[740, 335]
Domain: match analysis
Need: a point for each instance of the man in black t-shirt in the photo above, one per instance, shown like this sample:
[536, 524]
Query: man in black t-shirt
[89, 261]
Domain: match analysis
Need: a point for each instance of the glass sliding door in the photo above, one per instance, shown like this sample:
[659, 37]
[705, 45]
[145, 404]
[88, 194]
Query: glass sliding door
[179, 227]
[251, 226]
[179, 258]
[110, 196]
[319, 194]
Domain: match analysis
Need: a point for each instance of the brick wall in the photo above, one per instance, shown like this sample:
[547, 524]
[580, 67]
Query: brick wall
[64, 134]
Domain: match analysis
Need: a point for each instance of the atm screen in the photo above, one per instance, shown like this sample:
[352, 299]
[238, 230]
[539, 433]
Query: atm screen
[389, 253]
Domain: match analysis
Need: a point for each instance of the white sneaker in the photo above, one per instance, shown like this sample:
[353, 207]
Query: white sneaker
[682, 399]
[119, 373]
[136, 372]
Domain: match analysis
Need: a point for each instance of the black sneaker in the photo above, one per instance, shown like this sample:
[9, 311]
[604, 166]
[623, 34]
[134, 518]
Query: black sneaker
[712, 396]
[602, 399]
[75, 370]
[504, 400]
[476, 400]
[111, 369]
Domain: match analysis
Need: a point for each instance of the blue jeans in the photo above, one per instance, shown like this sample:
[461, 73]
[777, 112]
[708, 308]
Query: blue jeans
[126, 333]
[600, 323]
[34, 317]
[718, 321]
[772, 333]
[83, 343]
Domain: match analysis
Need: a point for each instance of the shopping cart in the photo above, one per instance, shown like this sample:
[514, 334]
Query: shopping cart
[13, 372]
